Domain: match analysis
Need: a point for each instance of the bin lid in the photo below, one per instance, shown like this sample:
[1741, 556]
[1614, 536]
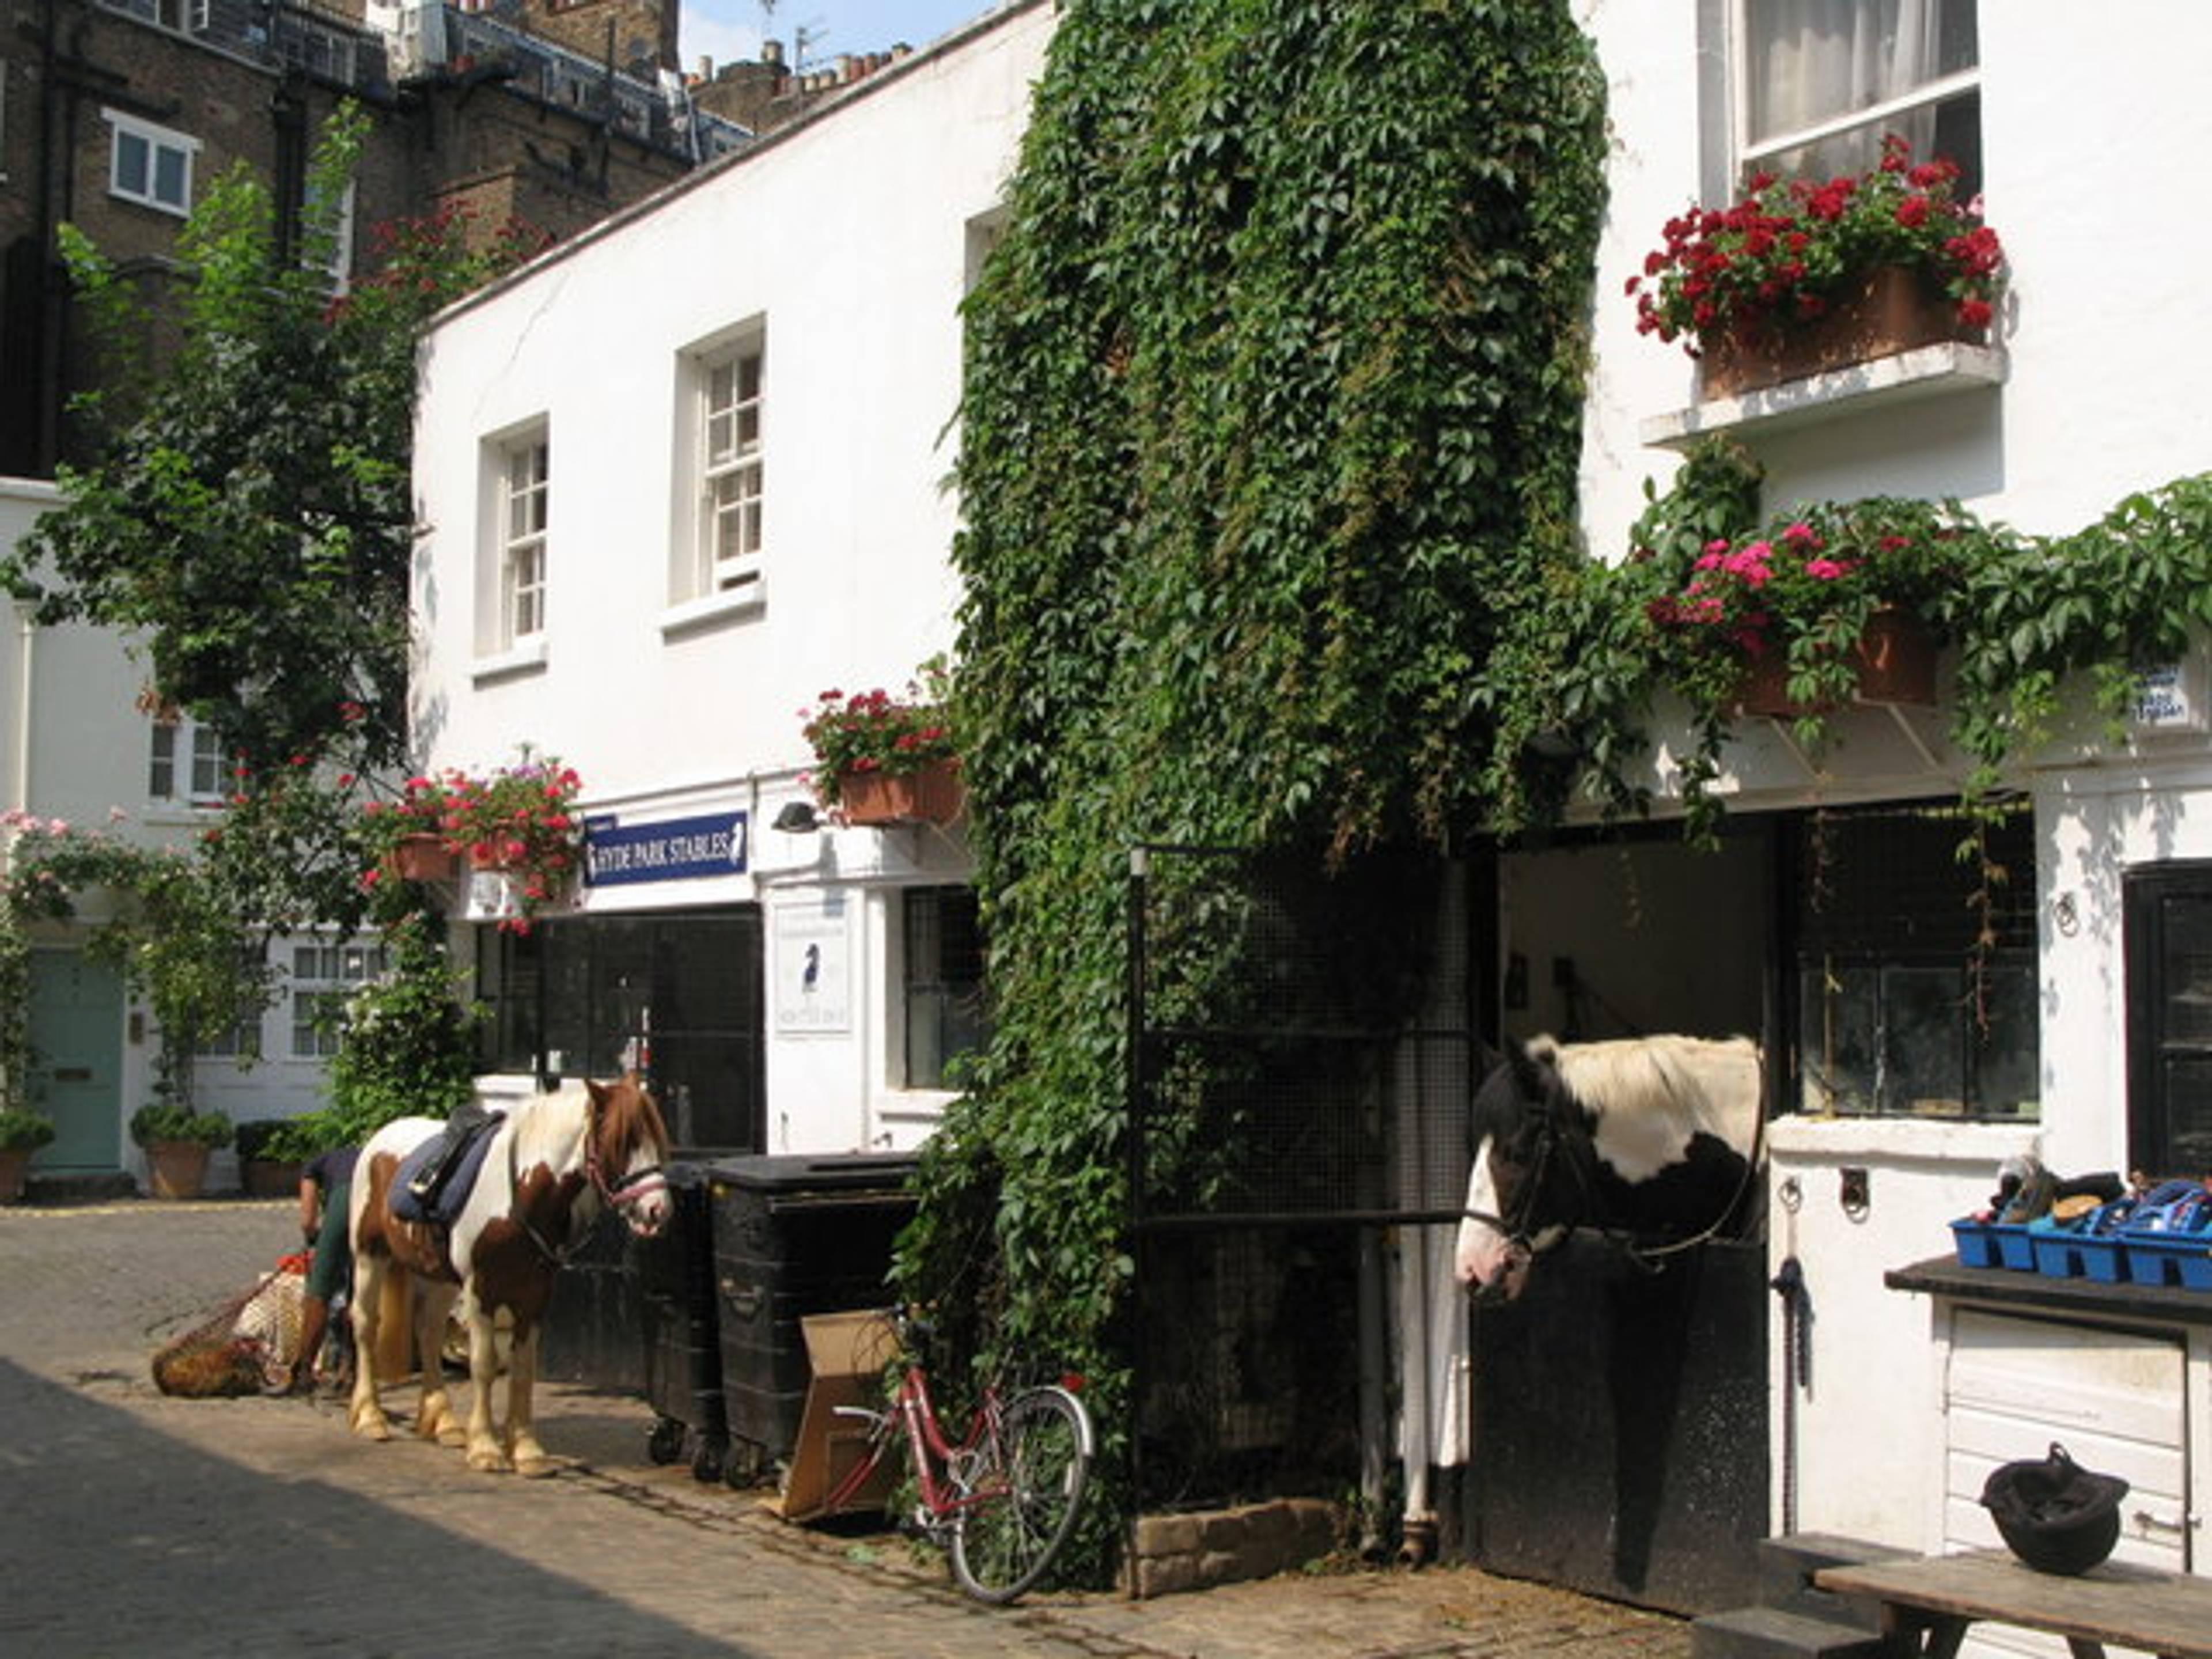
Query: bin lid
[802, 1172]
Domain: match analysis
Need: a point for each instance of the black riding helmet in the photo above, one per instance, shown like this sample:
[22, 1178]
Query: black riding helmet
[2055, 1515]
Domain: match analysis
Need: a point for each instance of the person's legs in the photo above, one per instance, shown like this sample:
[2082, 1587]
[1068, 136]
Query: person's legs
[328, 1270]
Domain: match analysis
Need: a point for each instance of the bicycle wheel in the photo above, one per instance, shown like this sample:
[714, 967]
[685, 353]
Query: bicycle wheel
[1023, 1492]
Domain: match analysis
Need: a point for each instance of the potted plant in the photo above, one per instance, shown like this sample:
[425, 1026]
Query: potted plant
[21, 1133]
[177, 1139]
[405, 839]
[1839, 603]
[520, 821]
[882, 759]
[1800, 275]
[265, 1168]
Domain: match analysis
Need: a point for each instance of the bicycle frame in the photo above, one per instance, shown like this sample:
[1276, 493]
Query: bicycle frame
[932, 1455]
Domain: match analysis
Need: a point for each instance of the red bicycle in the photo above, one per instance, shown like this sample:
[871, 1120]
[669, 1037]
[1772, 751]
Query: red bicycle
[1003, 1499]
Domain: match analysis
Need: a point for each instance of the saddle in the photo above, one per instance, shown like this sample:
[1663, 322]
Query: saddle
[433, 1181]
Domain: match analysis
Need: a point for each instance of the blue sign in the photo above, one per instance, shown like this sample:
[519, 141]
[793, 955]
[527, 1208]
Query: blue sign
[679, 849]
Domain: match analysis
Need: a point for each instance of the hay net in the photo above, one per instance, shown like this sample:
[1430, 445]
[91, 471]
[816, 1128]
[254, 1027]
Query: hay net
[248, 1344]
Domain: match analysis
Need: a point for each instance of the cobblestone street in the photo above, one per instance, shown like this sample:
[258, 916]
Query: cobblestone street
[138, 1523]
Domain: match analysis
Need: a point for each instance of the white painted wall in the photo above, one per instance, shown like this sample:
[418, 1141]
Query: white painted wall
[2103, 361]
[850, 236]
[74, 746]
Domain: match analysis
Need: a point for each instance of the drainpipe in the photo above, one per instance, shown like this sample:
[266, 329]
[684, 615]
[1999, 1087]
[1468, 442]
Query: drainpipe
[26, 634]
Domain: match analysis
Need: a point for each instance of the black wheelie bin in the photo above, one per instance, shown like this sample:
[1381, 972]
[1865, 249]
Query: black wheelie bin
[674, 1275]
[794, 1235]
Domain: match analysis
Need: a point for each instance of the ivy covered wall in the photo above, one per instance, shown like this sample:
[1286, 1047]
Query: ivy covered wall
[1272, 408]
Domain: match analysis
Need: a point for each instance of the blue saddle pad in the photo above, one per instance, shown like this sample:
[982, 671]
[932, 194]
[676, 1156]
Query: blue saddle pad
[447, 1203]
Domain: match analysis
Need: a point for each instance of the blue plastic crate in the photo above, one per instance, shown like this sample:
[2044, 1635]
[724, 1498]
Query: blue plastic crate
[1976, 1242]
[2169, 1239]
[2171, 1259]
[2015, 1247]
[2060, 1254]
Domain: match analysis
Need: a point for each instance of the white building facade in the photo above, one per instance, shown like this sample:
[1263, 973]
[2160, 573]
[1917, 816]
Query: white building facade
[2081, 402]
[78, 746]
[729, 414]
[808, 291]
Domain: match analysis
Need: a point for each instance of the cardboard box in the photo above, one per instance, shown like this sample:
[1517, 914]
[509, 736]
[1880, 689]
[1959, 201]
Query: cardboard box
[846, 1353]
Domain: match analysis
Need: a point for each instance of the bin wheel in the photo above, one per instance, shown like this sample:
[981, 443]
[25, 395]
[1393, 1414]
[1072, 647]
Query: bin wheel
[663, 1442]
[706, 1459]
[742, 1463]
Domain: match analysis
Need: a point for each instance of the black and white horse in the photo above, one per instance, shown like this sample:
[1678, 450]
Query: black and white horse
[1657, 1137]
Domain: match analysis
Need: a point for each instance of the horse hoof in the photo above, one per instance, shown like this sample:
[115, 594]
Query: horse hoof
[452, 1435]
[490, 1462]
[537, 1468]
[371, 1427]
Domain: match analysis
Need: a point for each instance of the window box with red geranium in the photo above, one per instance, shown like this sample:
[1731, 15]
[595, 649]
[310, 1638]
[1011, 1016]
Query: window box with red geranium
[1834, 607]
[520, 821]
[882, 759]
[1800, 275]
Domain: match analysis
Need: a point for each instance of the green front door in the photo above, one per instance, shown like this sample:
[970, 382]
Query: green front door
[77, 1065]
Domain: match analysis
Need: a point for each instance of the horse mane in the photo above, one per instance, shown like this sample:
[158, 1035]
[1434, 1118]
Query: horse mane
[548, 1128]
[628, 1116]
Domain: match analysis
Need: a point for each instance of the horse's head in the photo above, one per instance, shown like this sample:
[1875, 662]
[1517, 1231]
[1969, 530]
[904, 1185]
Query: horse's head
[626, 1147]
[1655, 1138]
[1522, 1117]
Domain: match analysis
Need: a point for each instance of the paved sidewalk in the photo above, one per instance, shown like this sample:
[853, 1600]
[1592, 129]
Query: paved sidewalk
[138, 1523]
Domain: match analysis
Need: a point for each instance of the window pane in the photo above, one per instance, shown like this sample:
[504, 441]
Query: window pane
[132, 163]
[1836, 1039]
[207, 764]
[1810, 61]
[169, 176]
[1923, 1022]
[162, 763]
[945, 1017]
[2188, 1092]
[2007, 1059]
[683, 991]
[2185, 966]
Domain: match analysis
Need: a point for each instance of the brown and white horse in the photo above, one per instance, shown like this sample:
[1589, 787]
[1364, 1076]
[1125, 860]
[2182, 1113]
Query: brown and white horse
[1658, 1138]
[553, 1160]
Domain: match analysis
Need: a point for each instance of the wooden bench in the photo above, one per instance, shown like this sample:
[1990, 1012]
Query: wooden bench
[1930, 1600]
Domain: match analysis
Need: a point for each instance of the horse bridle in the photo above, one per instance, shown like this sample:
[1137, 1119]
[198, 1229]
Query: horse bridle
[1515, 1230]
[640, 1183]
[651, 1179]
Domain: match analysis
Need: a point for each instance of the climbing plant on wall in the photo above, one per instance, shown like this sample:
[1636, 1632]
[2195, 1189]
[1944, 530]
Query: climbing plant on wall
[1273, 412]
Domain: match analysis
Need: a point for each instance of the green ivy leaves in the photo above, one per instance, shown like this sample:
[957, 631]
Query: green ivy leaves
[1272, 416]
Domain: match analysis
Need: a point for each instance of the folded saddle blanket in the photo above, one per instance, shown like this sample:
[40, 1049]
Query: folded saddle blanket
[445, 1204]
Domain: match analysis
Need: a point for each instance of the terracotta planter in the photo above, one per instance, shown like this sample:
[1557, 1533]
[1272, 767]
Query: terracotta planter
[177, 1169]
[1894, 659]
[15, 1165]
[1893, 309]
[421, 858]
[933, 795]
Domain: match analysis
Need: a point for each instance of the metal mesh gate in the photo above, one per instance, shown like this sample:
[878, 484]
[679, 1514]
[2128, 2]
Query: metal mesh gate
[1303, 1048]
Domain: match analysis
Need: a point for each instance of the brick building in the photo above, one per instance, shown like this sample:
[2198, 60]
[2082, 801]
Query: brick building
[114, 113]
